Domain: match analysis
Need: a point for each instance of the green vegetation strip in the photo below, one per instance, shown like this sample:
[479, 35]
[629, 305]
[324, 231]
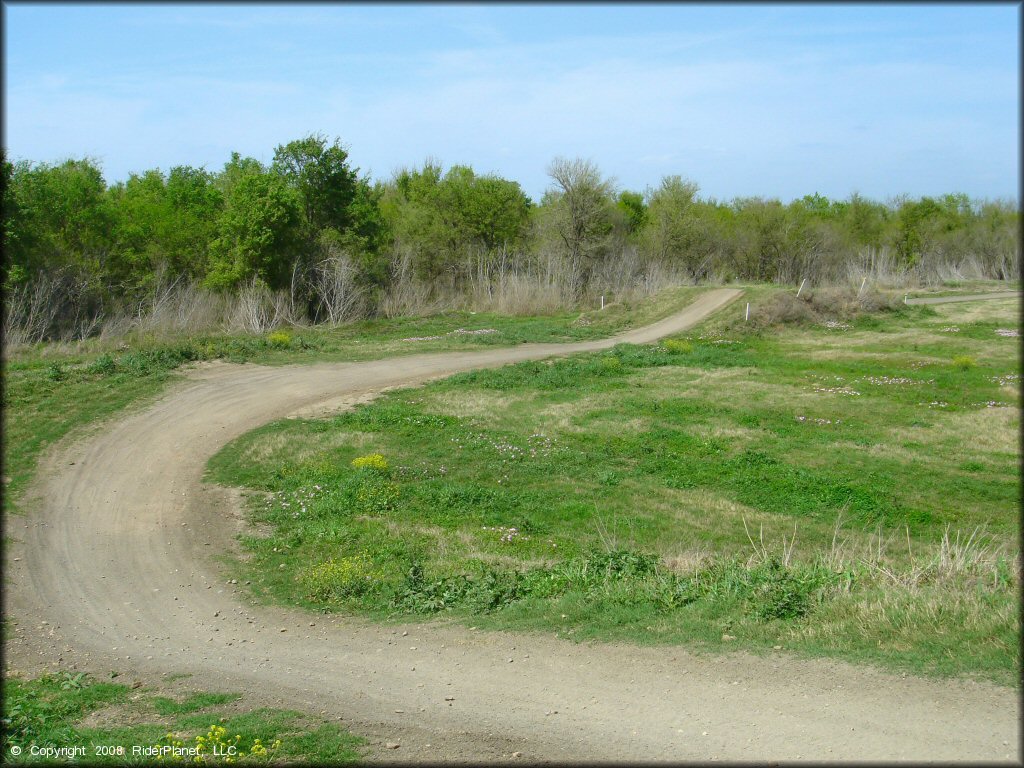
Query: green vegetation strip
[47, 720]
[842, 485]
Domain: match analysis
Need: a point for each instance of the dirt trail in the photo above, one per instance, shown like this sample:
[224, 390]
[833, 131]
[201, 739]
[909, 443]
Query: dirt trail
[117, 570]
[965, 297]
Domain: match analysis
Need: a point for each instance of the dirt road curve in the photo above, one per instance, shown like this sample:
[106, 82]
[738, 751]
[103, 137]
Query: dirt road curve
[970, 297]
[117, 556]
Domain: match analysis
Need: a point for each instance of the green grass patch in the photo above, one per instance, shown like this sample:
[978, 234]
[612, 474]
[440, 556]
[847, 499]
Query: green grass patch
[104, 722]
[616, 489]
[193, 703]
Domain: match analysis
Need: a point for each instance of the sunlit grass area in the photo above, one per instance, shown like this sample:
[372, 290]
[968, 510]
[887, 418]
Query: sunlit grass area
[836, 483]
[69, 717]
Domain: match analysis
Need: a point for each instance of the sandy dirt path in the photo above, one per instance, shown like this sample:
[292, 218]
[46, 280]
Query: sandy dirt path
[116, 569]
[966, 297]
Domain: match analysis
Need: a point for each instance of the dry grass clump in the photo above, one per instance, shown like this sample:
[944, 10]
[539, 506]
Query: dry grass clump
[958, 560]
[820, 305]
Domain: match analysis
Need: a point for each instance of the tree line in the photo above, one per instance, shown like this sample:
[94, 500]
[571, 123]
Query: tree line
[343, 245]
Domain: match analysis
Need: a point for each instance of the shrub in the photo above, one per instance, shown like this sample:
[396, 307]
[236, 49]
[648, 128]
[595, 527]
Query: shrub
[373, 461]
[376, 495]
[280, 339]
[677, 346]
[781, 597]
[338, 579]
[56, 372]
[104, 365]
[964, 362]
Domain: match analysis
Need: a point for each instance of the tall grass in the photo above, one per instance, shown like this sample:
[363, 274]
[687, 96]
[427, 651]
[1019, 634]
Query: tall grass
[538, 282]
[32, 314]
[521, 284]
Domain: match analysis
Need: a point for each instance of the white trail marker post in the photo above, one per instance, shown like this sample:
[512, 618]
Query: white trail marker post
[747, 316]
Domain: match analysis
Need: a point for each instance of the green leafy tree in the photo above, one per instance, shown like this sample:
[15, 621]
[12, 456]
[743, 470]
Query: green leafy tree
[258, 233]
[165, 223]
[446, 220]
[142, 220]
[634, 211]
[60, 217]
[13, 248]
[341, 216]
[915, 220]
[320, 173]
[196, 203]
[678, 230]
[865, 222]
[762, 229]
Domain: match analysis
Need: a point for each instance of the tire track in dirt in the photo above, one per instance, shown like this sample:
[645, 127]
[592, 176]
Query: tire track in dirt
[117, 569]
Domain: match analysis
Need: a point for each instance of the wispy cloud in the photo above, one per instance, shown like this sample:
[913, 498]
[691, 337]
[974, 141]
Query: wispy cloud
[777, 101]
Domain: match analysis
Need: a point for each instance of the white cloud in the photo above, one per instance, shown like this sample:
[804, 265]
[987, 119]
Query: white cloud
[738, 111]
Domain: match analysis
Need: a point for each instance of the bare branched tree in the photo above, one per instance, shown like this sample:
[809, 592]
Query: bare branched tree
[336, 292]
[585, 205]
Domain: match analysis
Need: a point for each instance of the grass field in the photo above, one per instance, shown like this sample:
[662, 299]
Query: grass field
[834, 483]
[51, 391]
[107, 719]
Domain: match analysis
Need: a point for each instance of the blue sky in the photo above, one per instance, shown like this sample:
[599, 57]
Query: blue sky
[770, 100]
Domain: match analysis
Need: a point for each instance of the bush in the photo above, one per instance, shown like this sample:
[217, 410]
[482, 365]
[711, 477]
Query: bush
[783, 307]
[373, 461]
[677, 346]
[339, 579]
[780, 596]
[376, 495]
[280, 339]
[103, 365]
[56, 372]
[814, 306]
[964, 362]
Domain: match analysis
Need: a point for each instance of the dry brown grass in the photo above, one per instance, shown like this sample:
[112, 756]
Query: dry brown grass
[481, 405]
[701, 511]
[816, 305]
[299, 451]
[977, 432]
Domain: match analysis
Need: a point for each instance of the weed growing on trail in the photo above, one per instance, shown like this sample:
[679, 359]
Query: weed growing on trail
[375, 495]
[765, 592]
[193, 703]
[56, 372]
[216, 745]
[104, 365]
